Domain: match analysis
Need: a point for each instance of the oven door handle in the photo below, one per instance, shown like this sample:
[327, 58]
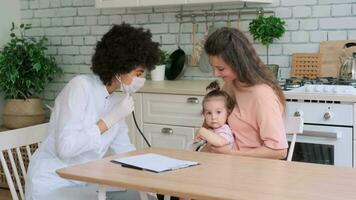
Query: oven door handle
[324, 134]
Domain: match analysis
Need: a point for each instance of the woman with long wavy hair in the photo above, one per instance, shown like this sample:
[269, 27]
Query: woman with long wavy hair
[257, 118]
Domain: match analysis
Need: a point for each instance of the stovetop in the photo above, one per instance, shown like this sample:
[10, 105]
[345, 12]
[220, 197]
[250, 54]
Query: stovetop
[294, 82]
[327, 85]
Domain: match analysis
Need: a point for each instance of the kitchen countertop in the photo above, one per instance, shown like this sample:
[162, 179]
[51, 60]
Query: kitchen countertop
[187, 87]
[197, 87]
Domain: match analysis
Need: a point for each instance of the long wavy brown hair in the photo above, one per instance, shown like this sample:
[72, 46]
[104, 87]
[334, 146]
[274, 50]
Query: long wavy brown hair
[236, 51]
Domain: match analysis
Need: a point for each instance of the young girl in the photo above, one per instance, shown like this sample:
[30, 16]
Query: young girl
[217, 106]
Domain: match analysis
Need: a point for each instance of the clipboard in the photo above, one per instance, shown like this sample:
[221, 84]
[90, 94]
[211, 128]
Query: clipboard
[154, 162]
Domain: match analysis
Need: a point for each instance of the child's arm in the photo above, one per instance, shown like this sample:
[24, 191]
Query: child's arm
[211, 137]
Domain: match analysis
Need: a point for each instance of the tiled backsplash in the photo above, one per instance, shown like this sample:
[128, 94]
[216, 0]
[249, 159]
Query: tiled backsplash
[74, 26]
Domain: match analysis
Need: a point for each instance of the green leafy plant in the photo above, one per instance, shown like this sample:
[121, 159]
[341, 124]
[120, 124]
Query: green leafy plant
[267, 29]
[163, 57]
[25, 68]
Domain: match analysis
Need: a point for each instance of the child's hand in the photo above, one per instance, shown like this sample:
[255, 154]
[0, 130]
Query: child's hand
[198, 134]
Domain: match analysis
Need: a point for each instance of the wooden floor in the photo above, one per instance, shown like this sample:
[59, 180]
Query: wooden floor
[5, 195]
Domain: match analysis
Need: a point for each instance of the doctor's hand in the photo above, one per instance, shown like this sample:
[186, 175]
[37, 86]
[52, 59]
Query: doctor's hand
[119, 111]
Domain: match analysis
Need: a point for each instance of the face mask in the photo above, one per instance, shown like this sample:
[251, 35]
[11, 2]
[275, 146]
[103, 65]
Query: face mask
[136, 84]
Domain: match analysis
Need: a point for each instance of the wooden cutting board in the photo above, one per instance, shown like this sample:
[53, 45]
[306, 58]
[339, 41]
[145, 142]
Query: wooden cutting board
[330, 52]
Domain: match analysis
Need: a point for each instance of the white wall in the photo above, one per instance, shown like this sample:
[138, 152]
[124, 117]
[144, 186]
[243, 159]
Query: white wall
[9, 12]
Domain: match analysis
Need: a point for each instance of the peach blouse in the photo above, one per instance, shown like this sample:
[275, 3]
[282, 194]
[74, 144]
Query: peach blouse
[257, 118]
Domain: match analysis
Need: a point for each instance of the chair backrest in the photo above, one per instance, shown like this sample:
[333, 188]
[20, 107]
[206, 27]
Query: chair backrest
[10, 142]
[293, 126]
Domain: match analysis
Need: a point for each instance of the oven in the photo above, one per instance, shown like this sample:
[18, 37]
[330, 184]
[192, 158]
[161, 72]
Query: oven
[328, 131]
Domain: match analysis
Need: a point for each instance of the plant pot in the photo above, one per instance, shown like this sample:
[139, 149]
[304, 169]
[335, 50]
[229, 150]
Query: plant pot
[274, 69]
[158, 73]
[20, 113]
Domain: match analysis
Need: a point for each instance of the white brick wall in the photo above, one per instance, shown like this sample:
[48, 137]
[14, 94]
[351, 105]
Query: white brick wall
[341, 10]
[88, 11]
[301, 11]
[74, 26]
[318, 36]
[298, 2]
[103, 20]
[321, 11]
[338, 23]
[300, 37]
[309, 24]
[337, 35]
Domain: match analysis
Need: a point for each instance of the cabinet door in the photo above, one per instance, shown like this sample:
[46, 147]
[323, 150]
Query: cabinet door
[168, 136]
[160, 2]
[181, 110]
[134, 134]
[115, 3]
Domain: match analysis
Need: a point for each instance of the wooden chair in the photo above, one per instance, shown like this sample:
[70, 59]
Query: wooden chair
[12, 140]
[294, 126]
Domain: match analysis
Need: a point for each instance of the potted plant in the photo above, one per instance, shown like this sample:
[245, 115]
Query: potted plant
[266, 30]
[25, 69]
[158, 73]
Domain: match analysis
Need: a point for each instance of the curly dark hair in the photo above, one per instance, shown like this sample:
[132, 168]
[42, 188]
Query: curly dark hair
[122, 49]
[214, 91]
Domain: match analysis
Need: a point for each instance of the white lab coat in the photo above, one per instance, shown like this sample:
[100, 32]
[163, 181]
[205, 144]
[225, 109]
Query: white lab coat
[73, 136]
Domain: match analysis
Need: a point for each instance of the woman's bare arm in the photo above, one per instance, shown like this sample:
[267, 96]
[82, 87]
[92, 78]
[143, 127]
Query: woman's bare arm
[260, 152]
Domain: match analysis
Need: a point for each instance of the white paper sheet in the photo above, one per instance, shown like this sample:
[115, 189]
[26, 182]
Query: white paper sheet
[154, 162]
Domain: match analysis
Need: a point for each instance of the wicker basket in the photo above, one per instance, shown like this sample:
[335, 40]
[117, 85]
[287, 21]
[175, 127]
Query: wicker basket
[306, 65]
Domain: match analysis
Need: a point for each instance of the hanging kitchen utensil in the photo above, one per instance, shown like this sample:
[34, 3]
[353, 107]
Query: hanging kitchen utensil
[175, 66]
[194, 56]
[204, 64]
[228, 23]
[199, 48]
[238, 21]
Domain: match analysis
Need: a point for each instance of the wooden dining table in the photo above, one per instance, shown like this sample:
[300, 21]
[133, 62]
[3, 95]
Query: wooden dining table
[222, 176]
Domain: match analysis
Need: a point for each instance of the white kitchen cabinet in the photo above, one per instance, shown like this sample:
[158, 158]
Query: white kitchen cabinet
[182, 110]
[167, 136]
[168, 120]
[139, 3]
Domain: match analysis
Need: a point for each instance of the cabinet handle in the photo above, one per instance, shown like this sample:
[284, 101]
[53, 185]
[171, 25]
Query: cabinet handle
[167, 130]
[193, 100]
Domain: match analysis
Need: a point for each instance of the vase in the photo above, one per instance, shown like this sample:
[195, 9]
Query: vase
[274, 69]
[158, 73]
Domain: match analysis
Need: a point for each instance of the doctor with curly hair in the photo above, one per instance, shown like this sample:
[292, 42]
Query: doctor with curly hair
[88, 117]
